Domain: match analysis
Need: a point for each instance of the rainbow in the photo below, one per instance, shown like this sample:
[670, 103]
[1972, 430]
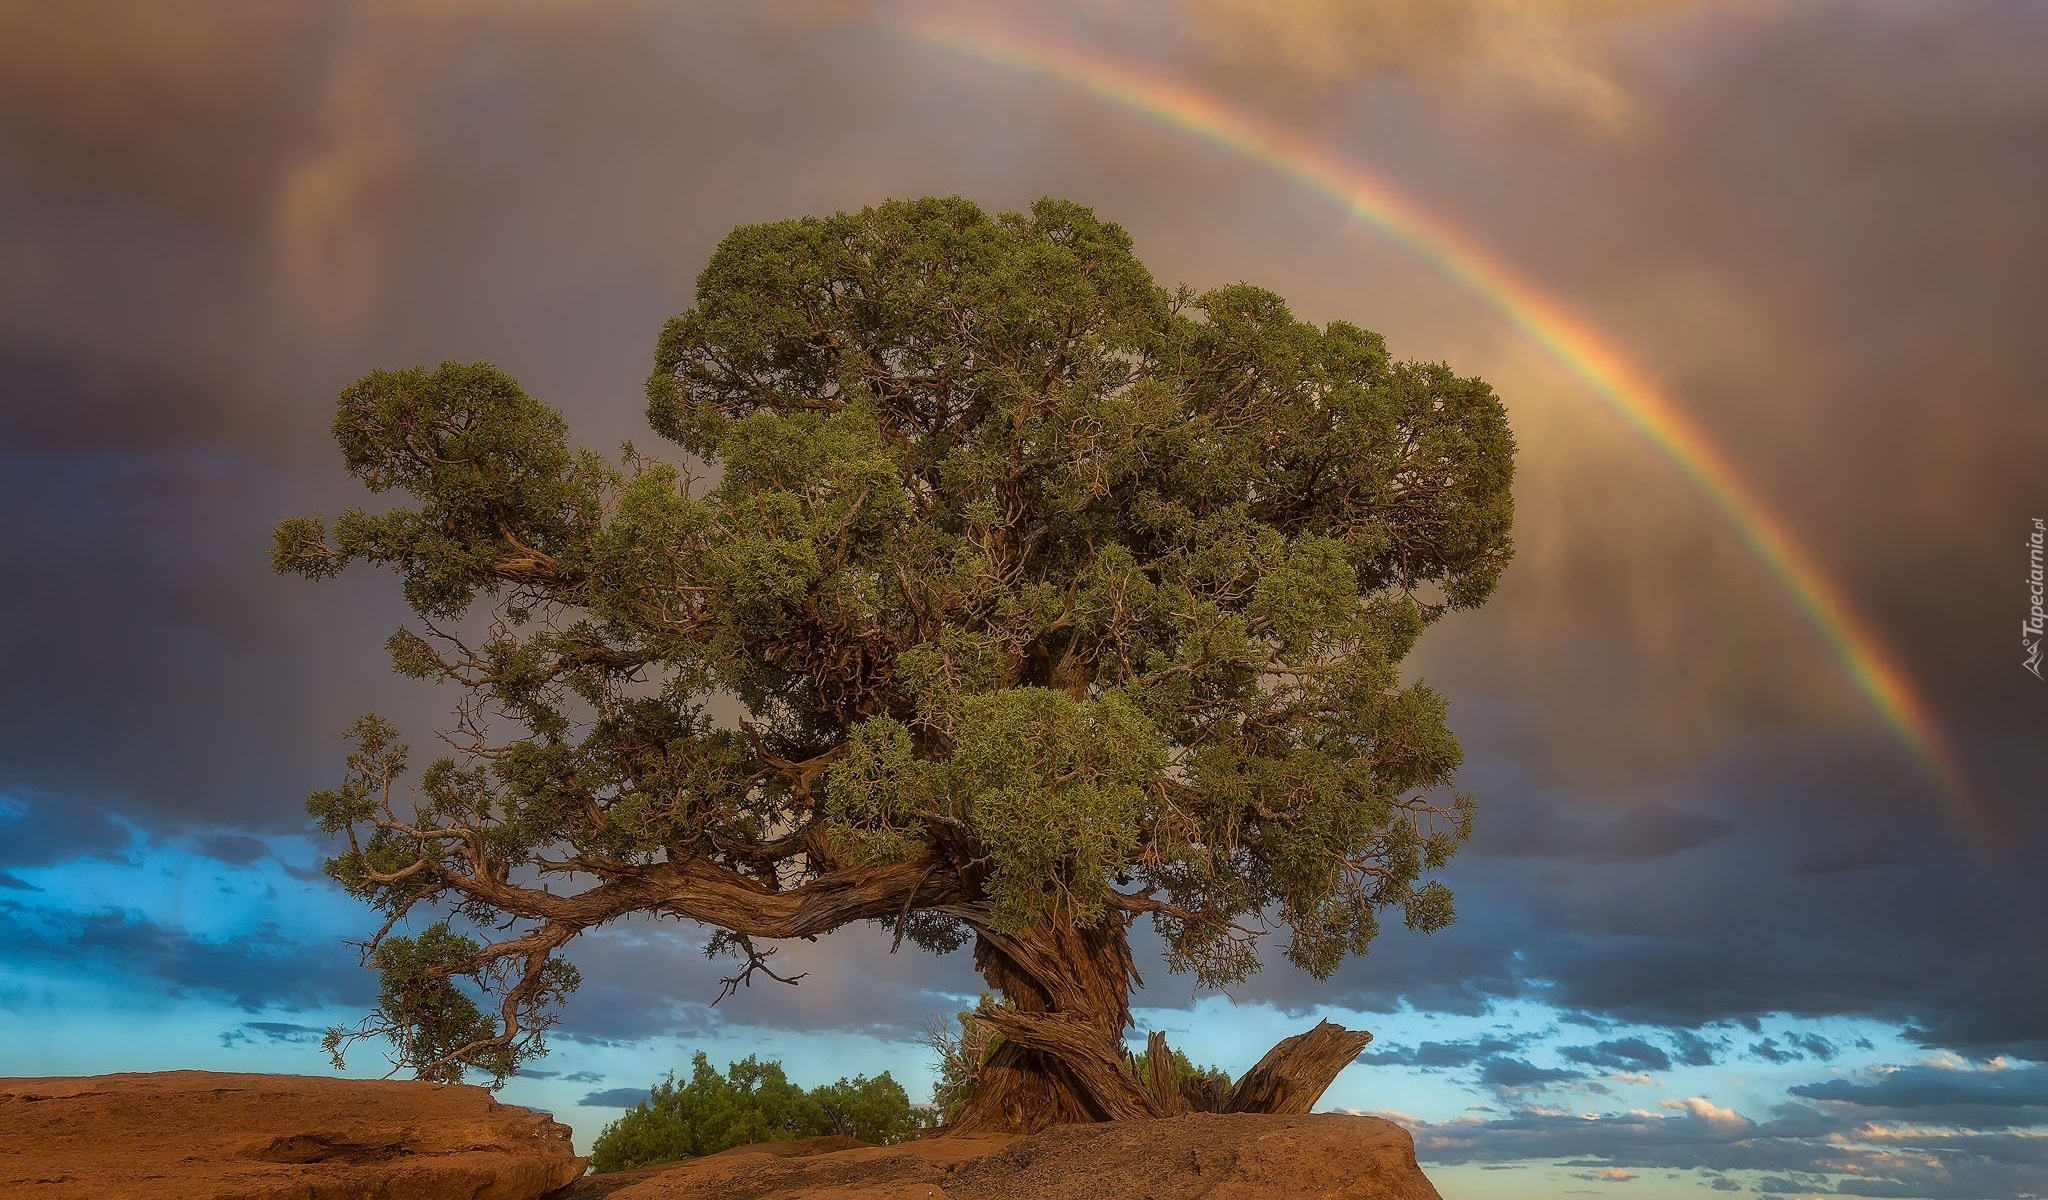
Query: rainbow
[1567, 338]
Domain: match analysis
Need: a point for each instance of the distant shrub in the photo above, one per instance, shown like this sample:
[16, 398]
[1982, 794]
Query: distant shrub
[752, 1102]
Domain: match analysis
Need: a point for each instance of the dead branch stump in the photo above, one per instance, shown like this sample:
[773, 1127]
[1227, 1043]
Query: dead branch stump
[1296, 1073]
[1164, 1077]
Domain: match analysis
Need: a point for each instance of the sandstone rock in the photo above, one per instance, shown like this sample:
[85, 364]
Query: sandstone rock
[183, 1135]
[1212, 1156]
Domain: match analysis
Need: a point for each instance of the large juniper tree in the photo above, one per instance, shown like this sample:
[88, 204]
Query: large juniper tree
[1030, 598]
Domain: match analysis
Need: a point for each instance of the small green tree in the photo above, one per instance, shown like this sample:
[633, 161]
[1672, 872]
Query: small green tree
[1036, 598]
[752, 1102]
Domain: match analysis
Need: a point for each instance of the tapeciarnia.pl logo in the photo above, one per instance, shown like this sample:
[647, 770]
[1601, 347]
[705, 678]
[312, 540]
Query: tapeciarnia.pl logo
[2031, 628]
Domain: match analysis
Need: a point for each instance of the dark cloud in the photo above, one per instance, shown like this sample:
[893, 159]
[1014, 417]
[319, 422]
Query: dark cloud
[1622, 1054]
[1795, 1047]
[264, 968]
[1723, 933]
[61, 405]
[623, 1097]
[152, 589]
[249, 1032]
[235, 849]
[282, 1031]
[39, 830]
[1508, 1073]
[1856, 855]
[1441, 1055]
[1529, 829]
[1692, 1050]
[2003, 1097]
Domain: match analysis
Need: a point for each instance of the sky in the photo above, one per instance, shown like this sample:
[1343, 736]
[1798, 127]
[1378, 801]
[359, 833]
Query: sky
[1727, 926]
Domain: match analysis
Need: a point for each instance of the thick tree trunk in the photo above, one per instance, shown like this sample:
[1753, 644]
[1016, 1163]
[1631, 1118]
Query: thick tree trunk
[1062, 1058]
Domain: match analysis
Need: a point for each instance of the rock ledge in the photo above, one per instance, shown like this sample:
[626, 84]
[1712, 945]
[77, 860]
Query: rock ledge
[1322, 1156]
[183, 1135]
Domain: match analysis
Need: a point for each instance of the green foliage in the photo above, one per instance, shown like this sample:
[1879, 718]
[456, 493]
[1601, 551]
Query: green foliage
[752, 1102]
[1052, 591]
[435, 1026]
[872, 1110]
[484, 458]
[1054, 787]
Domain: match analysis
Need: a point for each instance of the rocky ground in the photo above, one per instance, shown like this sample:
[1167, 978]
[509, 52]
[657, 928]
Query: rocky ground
[183, 1135]
[1204, 1155]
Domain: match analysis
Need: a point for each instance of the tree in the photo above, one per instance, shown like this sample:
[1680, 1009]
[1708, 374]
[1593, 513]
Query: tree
[1030, 598]
[752, 1102]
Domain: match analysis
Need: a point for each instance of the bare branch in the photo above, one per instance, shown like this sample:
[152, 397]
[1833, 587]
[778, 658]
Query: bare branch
[757, 960]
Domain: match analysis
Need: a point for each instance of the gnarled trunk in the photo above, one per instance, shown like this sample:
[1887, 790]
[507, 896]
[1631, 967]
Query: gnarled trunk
[1062, 1059]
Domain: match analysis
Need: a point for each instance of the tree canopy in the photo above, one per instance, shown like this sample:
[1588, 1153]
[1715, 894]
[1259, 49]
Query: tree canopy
[1005, 595]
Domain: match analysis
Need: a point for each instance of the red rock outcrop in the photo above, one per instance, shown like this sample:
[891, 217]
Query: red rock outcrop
[183, 1135]
[1209, 1156]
